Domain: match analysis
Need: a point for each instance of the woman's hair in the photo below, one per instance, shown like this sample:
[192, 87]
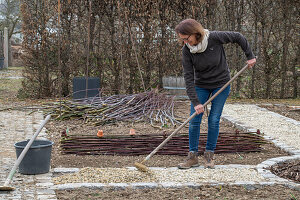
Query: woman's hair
[189, 27]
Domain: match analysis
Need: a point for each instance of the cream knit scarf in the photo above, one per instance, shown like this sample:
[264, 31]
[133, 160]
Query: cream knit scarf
[201, 47]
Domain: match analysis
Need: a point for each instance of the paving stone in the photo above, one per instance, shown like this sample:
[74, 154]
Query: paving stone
[68, 186]
[218, 184]
[297, 152]
[243, 183]
[45, 180]
[240, 166]
[268, 162]
[262, 166]
[94, 185]
[263, 171]
[45, 191]
[269, 176]
[293, 185]
[46, 197]
[251, 186]
[43, 176]
[28, 196]
[46, 184]
[117, 186]
[278, 160]
[144, 185]
[268, 183]
[171, 185]
[66, 170]
[192, 185]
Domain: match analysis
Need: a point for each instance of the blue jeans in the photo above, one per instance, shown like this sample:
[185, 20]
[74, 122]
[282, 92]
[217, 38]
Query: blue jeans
[213, 119]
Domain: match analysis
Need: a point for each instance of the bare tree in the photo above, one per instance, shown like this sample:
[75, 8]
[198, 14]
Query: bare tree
[129, 43]
[10, 17]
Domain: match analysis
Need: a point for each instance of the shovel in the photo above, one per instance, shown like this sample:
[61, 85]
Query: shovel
[140, 166]
[6, 186]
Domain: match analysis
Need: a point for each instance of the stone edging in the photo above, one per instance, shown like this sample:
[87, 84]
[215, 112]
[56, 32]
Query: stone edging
[72, 186]
[272, 179]
[263, 167]
[263, 170]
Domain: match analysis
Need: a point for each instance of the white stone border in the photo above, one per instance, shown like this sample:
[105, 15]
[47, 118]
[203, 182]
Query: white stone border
[261, 169]
[142, 185]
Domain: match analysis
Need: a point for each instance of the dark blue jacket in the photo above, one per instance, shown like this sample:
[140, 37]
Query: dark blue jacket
[209, 69]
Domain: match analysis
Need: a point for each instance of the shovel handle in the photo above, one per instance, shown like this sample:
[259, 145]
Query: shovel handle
[194, 114]
[20, 158]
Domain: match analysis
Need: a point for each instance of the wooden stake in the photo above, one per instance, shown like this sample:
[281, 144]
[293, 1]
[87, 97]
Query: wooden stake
[88, 52]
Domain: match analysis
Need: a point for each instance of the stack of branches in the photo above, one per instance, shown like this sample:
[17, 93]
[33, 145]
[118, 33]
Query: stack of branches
[158, 108]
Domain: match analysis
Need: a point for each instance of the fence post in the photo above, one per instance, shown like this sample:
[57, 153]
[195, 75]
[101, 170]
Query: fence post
[5, 47]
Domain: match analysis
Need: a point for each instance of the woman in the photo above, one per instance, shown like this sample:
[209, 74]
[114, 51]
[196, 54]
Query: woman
[205, 72]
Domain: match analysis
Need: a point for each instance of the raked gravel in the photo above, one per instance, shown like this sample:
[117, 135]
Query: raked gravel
[194, 175]
[281, 128]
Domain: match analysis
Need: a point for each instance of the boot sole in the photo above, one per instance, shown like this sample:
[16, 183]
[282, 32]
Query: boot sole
[188, 167]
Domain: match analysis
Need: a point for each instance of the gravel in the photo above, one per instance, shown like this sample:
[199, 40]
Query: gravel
[124, 175]
[105, 175]
[276, 126]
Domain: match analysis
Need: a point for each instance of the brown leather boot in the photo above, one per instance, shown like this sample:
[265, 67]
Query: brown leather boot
[191, 161]
[209, 160]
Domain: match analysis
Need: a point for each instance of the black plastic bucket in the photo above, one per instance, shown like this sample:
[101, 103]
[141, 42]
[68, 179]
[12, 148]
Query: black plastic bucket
[37, 159]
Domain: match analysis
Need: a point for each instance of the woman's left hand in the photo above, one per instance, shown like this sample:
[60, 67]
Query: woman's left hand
[251, 62]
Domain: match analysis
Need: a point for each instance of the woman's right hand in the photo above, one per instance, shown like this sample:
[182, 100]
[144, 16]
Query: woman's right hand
[199, 109]
[251, 62]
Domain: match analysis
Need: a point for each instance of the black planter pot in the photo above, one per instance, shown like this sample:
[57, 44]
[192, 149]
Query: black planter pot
[79, 87]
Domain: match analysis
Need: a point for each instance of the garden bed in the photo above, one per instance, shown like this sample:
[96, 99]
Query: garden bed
[77, 127]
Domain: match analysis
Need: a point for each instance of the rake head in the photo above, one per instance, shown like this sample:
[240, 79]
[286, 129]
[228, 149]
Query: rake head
[141, 167]
[6, 188]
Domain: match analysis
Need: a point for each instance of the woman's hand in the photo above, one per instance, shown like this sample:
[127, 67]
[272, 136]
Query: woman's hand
[199, 109]
[251, 62]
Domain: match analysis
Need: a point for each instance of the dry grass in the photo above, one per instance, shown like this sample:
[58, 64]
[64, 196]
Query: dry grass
[10, 83]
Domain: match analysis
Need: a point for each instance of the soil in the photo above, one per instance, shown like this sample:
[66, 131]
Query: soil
[292, 112]
[288, 170]
[276, 192]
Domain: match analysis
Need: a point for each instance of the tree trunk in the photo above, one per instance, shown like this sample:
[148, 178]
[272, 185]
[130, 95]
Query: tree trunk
[296, 72]
[286, 42]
